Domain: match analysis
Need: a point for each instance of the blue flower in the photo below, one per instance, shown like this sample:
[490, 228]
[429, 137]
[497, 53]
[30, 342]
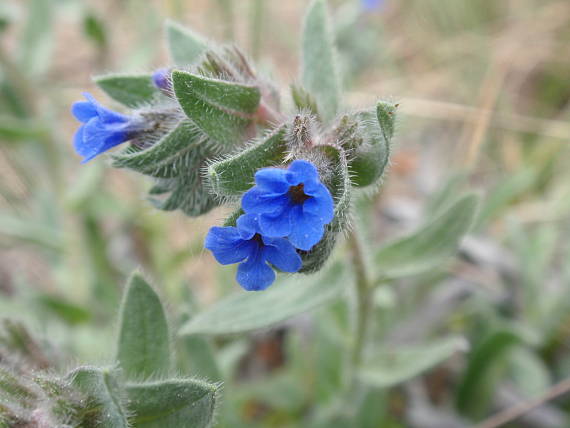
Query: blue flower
[291, 203]
[102, 129]
[371, 5]
[245, 245]
[161, 79]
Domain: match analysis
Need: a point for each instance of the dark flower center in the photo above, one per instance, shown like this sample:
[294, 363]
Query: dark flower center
[257, 238]
[297, 194]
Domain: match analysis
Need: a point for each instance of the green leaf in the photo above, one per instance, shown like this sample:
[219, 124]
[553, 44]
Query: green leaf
[196, 353]
[475, 391]
[176, 152]
[187, 193]
[94, 29]
[222, 110]
[235, 174]
[370, 158]
[247, 311]
[69, 312]
[431, 245]
[31, 230]
[144, 342]
[505, 193]
[179, 403]
[390, 367]
[37, 37]
[319, 64]
[184, 45]
[303, 100]
[101, 386]
[14, 129]
[131, 90]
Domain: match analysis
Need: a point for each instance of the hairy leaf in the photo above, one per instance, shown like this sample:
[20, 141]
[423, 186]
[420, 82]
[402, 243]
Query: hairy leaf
[431, 245]
[319, 65]
[246, 311]
[221, 109]
[235, 174]
[390, 367]
[184, 45]
[131, 90]
[104, 394]
[144, 342]
[173, 155]
[176, 403]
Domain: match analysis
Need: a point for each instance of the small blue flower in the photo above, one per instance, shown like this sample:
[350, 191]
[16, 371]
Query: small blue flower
[161, 79]
[291, 203]
[371, 5]
[102, 129]
[245, 245]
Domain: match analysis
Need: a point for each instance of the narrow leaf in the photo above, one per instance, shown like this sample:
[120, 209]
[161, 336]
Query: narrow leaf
[105, 394]
[131, 90]
[184, 45]
[246, 311]
[144, 343]
[222, 110]
[431, 245]
[174, 403]
[15, 129]
[37, 37]
[393, 366]
[319, 66]
[475, 390]
[176, 152]
[234, 175]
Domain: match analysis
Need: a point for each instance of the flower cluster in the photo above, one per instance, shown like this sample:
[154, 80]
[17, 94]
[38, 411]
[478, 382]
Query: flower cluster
[102, 128]
[287, 209]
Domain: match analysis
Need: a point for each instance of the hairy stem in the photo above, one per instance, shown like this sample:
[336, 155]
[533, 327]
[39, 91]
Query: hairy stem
[363, 289]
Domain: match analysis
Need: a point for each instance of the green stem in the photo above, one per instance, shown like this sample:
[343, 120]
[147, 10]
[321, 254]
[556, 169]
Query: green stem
[363, 304]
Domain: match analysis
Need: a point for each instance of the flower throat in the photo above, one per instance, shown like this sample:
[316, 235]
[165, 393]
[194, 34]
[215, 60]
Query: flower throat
[297, 193]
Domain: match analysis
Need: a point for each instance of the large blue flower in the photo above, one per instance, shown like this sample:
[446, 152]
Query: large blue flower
[102, 129]
[245, 244]
[290, 203]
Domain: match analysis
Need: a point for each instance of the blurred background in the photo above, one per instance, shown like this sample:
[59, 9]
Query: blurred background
[484, 93]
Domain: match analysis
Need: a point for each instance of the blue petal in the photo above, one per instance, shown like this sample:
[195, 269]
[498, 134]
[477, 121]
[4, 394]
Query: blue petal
[83, 111]
[98, 137]
[307, 229]
[320, 204]
[255, 274]
[247, 225]
[273, 180]
[372, 4]
[281, 254]
[221, 238]
[236, 254]
[106, 115]
[257, 201]
[227, 246]
[302, 171]
[78, 139]
[276, 225]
